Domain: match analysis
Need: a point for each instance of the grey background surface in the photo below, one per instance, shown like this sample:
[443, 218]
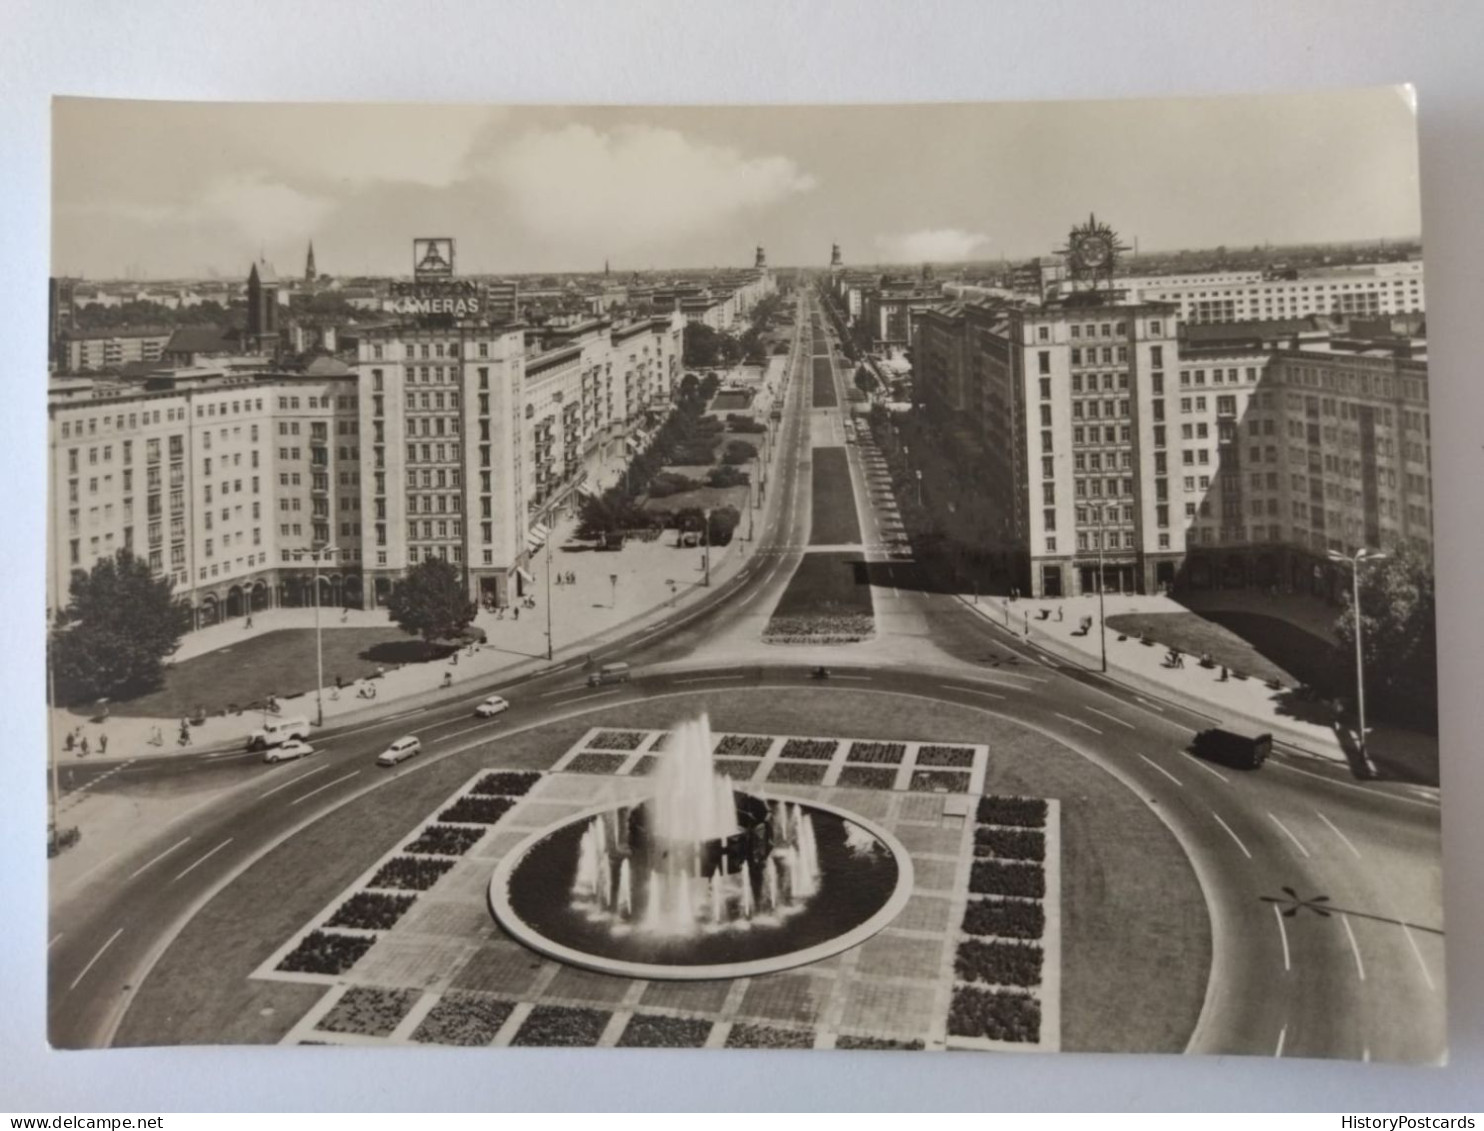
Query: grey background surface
[656, 51]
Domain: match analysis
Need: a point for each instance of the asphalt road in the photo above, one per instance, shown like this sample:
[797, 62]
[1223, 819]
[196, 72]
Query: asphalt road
[1354, 969]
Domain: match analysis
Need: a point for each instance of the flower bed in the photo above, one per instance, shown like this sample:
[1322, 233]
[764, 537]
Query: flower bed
[369, 1011]
[745, 1036]
[798, 773]
[589, 763]
[1026, 812]
[995, 877]
[561, 1026]
[998, 963]
[877, 752]
[444, 840]
[1008, 918]
[508, 784]
[407, 873]
[1012, 844]
[617, 740]
[743, 746]
[463, 1018]
[828, 600]
[997, 1015]
[477, 810]
[662, 742]
[960, 756]
[938, 781]
[644, 766]
[868, 777]
[735, 769]
[371, 911]
[651, 1031]
[847, 1042]
[815, 749]
[325, 952]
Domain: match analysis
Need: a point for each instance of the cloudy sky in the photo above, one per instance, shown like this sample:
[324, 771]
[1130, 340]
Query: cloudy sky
[163, 189]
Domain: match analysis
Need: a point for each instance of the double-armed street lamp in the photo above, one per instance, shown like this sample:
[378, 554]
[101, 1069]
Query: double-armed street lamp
[1355, 561]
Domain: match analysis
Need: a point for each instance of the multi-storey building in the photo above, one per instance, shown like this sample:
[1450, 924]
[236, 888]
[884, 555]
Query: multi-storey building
[91, 351]
[1172, 462]
[1241, 296]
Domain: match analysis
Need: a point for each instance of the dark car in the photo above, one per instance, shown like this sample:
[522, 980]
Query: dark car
[1232, 748]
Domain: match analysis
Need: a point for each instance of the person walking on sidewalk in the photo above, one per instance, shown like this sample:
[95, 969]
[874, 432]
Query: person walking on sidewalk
[102, 743]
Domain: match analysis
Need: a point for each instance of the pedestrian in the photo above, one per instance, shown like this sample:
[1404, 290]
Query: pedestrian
[1058, 613]
[515, 612]
[448, 679]
[102, 744]
[69, 743]
[249, 621]
[1223, 673]
[84, 753]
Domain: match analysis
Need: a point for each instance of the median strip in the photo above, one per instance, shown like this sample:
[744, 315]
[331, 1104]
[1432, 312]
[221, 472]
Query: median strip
[321, 789]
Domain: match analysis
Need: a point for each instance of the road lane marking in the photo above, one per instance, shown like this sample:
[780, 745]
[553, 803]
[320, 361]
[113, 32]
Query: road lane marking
[92, 961]
[158, 858]
[1335, 829]
[1417, 954]
[1354, 947]
[1351, 785]
[970, 690]
[1283, 934]
[293, 781]
[1151, 706]
[1155, 765]
[466, 730]
[1214, 773]
[55, 939]
[862, 678]
[202, 860]
[1114, 718]
[560, 691]
[749, 597]
[321, 789]
[1077, 722]
[705, 678]
[594, 695]
[1282, 1036]
[1232, 834]
[1289, 833]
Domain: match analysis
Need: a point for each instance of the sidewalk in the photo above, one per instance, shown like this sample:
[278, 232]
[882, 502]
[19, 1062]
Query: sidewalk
[1306, 725]
[612, 593]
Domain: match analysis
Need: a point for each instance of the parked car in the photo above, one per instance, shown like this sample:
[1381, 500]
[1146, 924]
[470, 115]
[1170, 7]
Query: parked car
[491, 707]
[288, 751]
[276, 732]
[399, 751]
[609, 673]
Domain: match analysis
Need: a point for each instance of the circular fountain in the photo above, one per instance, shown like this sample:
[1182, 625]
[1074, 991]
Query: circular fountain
[699, 879]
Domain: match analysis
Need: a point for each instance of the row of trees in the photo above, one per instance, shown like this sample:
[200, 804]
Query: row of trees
[1399, 638]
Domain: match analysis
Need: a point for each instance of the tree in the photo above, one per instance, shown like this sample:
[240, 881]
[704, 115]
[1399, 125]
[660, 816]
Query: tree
[119, 625]
[689, 385]
[723, 522]
[1399, 632]
[739, 451]
[430, 601]
[609, 513]
[705, 348]
[865, 380]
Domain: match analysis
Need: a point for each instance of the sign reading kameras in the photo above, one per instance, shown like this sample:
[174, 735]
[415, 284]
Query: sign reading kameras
[459, 298]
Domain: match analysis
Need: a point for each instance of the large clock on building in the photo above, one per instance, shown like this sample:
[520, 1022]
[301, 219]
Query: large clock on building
[1092, 251]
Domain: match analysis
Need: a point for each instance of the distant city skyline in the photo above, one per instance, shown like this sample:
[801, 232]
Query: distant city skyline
[186, 190]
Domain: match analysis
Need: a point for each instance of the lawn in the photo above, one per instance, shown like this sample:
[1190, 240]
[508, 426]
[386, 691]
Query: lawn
[834, 520]
[828, 601]
[707, 498]
[1260, 646]
[731, 400]
[274, 663]
[824, 384]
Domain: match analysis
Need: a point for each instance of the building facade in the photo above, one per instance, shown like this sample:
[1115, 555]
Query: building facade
[1248, 296]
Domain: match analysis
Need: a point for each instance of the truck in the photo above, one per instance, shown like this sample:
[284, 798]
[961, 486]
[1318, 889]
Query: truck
[276, 732]
[1239, 750]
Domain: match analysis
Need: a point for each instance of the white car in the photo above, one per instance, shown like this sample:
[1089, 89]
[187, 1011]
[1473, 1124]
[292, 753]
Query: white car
[491, 707]
[399, 751]
[287, 752]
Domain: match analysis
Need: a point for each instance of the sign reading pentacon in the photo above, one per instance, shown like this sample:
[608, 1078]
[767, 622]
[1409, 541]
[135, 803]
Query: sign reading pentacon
[432, 258]
[457, 298]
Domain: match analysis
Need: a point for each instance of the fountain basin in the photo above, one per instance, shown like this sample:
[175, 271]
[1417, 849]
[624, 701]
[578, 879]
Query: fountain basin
[861, 877]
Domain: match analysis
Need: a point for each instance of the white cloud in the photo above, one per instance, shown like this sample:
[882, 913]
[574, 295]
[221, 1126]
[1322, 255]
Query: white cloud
[632, 186]
[932, 245]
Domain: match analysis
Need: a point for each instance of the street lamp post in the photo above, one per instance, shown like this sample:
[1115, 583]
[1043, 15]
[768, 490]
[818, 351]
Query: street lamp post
[550, 641]
[324, 552]
[613, 593]
[1354, 561]
[1102, 619]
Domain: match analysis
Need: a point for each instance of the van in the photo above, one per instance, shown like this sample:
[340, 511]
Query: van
[400, 750]
[609, 673]
[276, 732]
[1231, 748]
